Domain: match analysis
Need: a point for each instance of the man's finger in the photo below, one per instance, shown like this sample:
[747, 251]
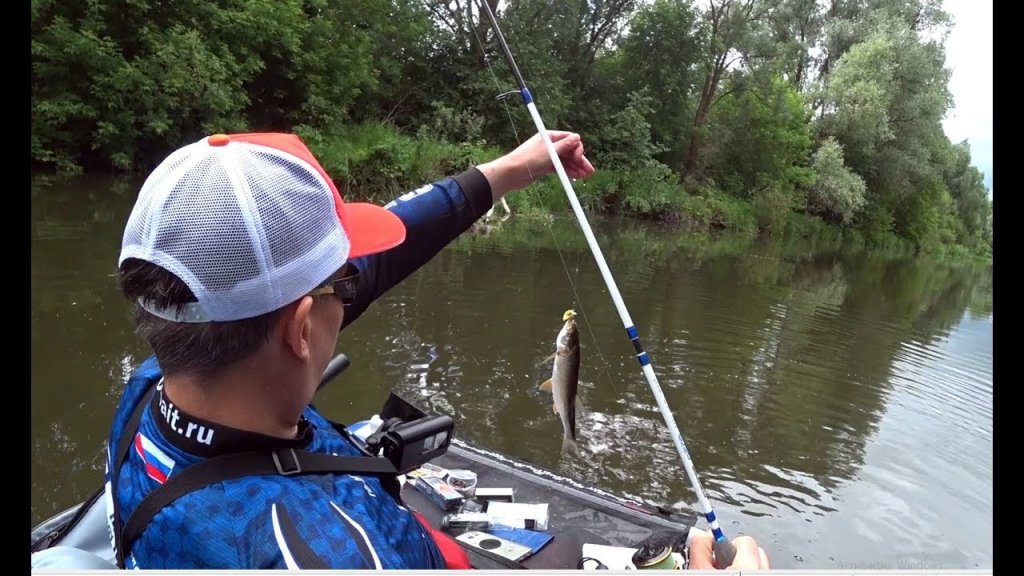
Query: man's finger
[581, 171]
[565, 146]
[557, 135]
[576, 170]
[587, 168]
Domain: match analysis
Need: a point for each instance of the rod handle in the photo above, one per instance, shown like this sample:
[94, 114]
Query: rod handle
[725, 553]
[337, 366]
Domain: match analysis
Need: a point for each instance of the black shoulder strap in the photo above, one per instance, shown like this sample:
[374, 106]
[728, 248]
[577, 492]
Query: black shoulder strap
[284, 462]
[124, 444]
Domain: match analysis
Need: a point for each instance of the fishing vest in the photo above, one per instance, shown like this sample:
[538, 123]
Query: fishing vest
[248, 478]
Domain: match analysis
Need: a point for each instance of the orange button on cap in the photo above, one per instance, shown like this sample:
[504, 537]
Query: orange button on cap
[219, 140]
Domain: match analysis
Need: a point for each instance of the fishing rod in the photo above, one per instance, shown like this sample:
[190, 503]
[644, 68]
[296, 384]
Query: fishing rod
[723, 548]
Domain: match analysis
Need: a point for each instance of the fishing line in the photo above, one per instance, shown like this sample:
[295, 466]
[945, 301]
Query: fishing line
[503, 96]
[724, 550]
[586, 321]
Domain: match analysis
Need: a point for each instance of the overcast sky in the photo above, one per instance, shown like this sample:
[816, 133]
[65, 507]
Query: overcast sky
[969, 57]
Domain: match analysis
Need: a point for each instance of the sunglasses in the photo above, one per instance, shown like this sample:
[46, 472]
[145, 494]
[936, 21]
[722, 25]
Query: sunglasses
[344, 288]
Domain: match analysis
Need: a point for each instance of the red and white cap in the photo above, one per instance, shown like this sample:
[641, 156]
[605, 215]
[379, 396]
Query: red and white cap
[251, 223]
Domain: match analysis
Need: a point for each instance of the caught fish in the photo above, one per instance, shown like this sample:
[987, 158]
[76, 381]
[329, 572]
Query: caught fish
[564, 380]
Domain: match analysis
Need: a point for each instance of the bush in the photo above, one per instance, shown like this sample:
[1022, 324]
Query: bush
[876, 223]
[837, 192]
[652, 191]
[451, 125]
[374, 161]
[711, 209]
[772, 207]
[624, 143]
[600, 192]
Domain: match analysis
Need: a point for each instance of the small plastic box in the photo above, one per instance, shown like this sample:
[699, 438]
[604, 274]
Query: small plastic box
[439, 492]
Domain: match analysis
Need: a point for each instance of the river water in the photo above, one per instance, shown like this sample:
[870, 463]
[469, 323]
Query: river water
[837, 404]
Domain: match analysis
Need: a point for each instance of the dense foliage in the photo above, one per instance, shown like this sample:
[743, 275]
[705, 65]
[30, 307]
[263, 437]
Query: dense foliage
[770, 116]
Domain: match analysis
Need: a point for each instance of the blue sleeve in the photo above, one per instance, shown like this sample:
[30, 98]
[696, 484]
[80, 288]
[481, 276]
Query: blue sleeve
[434, 215]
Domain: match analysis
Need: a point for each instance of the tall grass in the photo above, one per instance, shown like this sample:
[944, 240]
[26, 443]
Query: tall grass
[376, 162]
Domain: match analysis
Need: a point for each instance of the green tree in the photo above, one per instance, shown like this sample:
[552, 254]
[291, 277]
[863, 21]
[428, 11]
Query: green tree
[731, 26]
[660, 53]
[884, 103]
[760, 139]
[110, 86]
[966, 185]
[849, 22]
[626, 143]
[797, 27]
[402, 40]
[837, 193]
[142, 76]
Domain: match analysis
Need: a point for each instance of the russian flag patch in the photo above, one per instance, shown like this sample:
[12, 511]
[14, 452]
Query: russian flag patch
[158, 465]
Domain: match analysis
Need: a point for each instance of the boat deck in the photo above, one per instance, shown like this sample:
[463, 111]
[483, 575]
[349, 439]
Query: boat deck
[578, 514]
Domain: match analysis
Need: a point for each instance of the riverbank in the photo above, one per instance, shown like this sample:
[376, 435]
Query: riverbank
[409, 95]
[376, 162]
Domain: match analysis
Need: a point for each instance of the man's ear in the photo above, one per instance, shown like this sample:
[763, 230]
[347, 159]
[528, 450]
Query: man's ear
[297, 326]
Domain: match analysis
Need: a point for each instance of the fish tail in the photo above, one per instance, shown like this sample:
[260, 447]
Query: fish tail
[570, 446]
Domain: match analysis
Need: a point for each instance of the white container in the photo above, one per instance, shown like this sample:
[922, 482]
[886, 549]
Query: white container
[362, 430]
[464, 481]
[519, 515]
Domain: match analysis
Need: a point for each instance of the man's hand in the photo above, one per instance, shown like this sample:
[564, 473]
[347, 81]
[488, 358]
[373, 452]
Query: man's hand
[749, 556]
[530, 161]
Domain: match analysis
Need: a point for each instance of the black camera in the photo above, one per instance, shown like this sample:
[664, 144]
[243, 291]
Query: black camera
[409, 437]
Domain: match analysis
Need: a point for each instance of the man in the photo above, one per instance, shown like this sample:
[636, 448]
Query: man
[244, 263]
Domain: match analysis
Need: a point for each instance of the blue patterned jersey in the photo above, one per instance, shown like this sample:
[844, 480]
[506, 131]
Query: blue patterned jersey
[284, 522]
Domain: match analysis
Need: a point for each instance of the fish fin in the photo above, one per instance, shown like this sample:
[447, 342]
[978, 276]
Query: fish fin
[554, 408]
[548, 358]
[570, 446]
[580, 409]
[546, 385]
